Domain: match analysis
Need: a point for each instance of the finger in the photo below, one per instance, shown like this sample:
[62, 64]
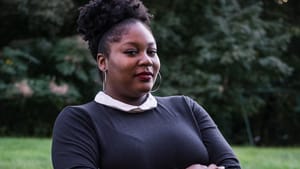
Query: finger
[220, 167]
[212, 166]
[197, 166]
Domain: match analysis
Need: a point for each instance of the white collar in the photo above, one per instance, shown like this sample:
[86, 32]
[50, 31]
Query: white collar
[105, 99]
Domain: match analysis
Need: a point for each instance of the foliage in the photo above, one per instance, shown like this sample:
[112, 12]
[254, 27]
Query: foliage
[41, 74]
[228, 57]
[239, 59]
[34, 18]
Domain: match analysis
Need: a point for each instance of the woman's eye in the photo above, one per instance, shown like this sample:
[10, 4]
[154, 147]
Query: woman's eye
[152, 52]
[131, 52]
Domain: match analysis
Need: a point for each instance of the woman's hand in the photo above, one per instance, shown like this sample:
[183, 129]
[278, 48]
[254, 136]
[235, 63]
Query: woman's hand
[199, 166]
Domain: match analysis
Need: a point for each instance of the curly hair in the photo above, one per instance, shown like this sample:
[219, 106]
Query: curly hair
[97, 21]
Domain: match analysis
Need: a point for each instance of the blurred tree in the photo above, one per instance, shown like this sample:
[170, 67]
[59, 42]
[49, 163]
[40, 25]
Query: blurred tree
[39, 68]
[227, 56]
[38, 78]
[21, 19]
[240, 59]
[282, 108]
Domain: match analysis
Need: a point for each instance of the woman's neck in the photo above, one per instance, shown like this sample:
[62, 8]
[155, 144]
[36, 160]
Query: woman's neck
[135, 101]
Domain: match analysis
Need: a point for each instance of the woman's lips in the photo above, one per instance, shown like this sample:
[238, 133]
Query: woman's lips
[144, 76]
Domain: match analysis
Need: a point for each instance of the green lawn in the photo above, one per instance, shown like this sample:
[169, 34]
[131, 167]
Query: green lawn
[24, 153]
[268, 158]
[28, 153]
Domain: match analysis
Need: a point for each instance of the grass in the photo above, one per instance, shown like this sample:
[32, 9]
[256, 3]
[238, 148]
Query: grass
[268, 158]
[25, 153]
[34, 153]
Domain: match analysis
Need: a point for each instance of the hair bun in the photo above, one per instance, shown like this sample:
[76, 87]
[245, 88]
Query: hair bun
[98, 16]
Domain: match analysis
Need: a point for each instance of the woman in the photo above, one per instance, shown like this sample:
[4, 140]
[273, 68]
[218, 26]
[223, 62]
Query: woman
[125, 126]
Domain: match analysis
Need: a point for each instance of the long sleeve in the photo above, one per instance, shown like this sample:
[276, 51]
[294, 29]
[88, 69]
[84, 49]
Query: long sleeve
[74, 141]
[220, 152]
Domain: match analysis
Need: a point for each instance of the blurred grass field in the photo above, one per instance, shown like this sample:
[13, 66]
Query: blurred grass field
[34, 153]
[25, 153]
[269, 158]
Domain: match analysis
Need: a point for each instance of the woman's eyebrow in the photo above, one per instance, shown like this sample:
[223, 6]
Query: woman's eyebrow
[138, 44]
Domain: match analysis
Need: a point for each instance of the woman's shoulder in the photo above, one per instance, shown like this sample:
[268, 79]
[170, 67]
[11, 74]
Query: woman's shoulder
[174, 99]
[180, 102]
[80, 110]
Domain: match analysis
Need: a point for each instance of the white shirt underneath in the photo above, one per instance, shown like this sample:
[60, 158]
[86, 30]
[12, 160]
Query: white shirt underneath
[105, 99]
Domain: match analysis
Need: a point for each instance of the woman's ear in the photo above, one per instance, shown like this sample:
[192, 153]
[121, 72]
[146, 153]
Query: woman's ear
[101, 62]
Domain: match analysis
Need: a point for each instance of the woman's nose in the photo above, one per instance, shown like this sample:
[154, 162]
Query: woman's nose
[146, 60]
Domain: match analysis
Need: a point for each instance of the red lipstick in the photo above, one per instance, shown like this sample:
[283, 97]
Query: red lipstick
[144, 76]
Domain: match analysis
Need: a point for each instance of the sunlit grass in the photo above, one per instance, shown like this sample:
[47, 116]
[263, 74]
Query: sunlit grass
[24, 153]
[34, 153]
[268, 158]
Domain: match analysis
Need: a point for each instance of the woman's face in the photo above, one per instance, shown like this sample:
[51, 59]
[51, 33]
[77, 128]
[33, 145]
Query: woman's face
[132, 65]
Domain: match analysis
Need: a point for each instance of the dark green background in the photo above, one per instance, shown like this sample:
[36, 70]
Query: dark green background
[238, 58]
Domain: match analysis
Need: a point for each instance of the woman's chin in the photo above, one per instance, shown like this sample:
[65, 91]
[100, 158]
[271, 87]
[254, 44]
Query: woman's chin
[145, 89]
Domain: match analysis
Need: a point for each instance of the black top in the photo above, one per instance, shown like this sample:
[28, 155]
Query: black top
[174, 135]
